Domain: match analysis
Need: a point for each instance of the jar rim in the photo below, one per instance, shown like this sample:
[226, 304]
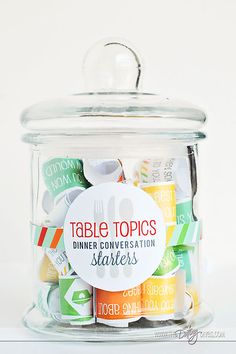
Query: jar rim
[94, 137]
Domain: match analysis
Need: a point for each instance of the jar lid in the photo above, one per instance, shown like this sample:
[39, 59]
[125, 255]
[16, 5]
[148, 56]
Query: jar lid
[114, 102]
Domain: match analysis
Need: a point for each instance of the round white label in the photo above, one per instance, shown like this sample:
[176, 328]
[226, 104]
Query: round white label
[114, 236]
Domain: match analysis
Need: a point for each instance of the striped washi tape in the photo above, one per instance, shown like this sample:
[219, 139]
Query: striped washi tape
[47, 237]
[181, 234]
[184, 234]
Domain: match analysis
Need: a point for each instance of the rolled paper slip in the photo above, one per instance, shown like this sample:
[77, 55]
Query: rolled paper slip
[122, 177]
[58, 214]
[158, 297]
[163, 298]
[101, 171]
[59, 260]
[182, 178]
[186, 259]
[164, 196]
[184, 211]
[166, 170]
[47, 271]
[194, 293]
[48, 300]
[155, 170]
[47, 202]
[62, 174]
[76, 299]
[185, 254]
[169, 263]
[182, 300]
[119, 308]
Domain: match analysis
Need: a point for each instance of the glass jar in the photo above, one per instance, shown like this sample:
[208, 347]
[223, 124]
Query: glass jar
[115, 225]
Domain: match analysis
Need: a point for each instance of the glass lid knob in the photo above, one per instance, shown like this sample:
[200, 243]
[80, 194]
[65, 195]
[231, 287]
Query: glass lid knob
[111, 66]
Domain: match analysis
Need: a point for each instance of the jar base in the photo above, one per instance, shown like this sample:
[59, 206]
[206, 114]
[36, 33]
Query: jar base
[141, 330]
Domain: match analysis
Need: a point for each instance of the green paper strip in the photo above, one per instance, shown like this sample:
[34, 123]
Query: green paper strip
[169, 263]
[76, 299]
[184, 256]
[63, 173]
[184, 212]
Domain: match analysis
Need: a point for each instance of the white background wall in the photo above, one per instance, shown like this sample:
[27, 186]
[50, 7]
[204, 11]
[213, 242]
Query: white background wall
[189, 49]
